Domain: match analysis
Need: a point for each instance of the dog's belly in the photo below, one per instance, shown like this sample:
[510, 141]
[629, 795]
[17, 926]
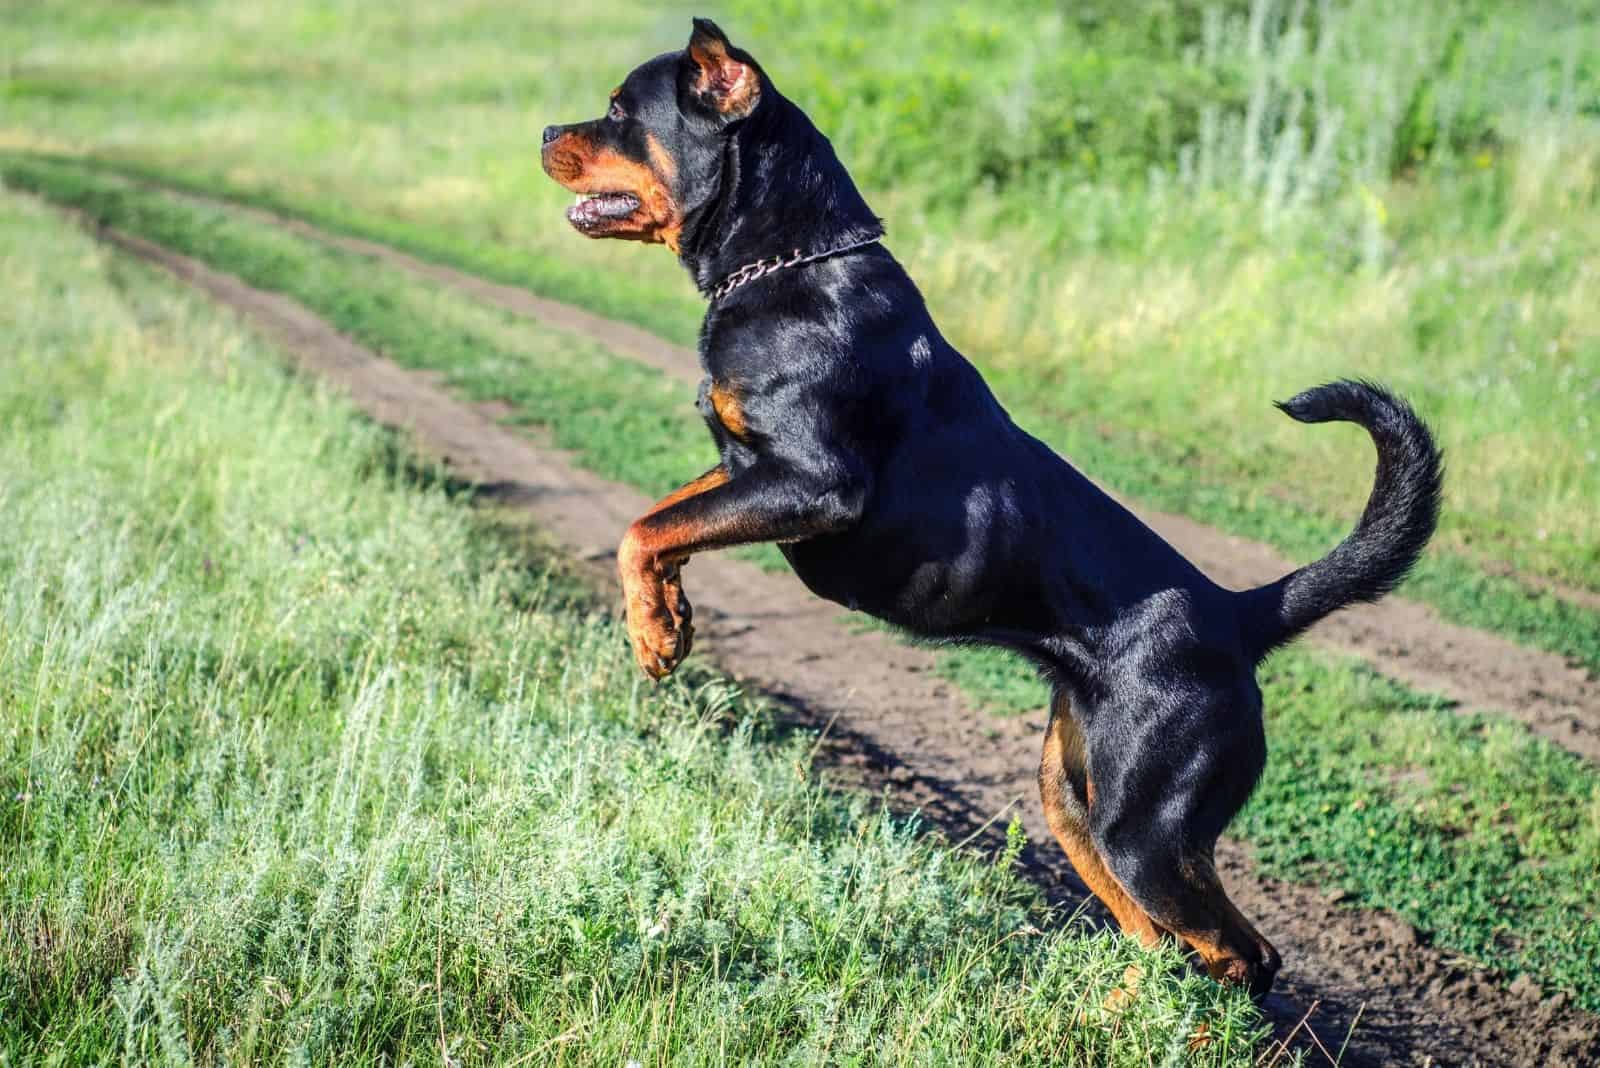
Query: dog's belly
[919, 596]
[939, 566]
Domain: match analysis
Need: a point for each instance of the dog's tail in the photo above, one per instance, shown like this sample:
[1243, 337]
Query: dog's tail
[1400, 517]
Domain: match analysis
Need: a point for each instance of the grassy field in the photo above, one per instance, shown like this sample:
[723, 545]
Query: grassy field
[301, 764]
[1485, 837]
[1143, 226]
[403, 786]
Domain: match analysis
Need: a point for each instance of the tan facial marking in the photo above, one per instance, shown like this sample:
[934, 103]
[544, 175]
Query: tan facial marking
[666, 169]
[585, 167]
[663, 163]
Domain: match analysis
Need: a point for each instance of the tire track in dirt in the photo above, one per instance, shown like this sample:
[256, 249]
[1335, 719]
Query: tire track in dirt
[1405, 640]
[890, 721]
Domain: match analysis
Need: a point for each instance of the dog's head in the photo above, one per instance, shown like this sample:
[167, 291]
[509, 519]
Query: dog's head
[637, 168]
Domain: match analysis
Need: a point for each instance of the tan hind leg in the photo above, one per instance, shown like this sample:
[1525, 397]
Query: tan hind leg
[1183, 897]
[1195, 907]
[1067, 794]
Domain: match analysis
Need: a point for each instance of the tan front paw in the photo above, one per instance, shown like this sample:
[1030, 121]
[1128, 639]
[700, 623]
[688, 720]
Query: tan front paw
[659, 626]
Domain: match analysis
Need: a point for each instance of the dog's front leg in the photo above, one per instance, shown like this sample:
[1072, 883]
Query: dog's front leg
[649, 593]
[769, 502]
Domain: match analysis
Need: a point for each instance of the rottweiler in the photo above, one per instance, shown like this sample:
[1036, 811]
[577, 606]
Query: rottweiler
[853, 435]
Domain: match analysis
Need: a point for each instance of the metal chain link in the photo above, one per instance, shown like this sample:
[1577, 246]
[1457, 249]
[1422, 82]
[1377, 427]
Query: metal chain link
[751, 271]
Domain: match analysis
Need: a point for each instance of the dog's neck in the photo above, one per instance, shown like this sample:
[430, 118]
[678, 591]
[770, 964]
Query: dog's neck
[780, 189]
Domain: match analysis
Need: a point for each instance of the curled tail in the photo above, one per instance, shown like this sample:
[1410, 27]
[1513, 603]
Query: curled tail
[1400, 517]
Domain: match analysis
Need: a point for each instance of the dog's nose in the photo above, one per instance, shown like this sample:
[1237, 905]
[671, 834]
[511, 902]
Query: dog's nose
[551, 133]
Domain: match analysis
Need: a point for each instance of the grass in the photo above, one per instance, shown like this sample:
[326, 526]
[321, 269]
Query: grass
[1483, 836]
[300, 764]
[1122, 213]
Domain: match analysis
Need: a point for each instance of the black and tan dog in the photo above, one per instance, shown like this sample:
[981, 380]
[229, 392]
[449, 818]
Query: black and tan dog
[853, 435]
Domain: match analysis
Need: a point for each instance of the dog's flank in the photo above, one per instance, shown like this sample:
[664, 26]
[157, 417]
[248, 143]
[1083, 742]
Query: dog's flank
[850, 432]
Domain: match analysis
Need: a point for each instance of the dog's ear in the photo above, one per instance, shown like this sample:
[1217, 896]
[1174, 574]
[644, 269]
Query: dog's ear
[726, 79]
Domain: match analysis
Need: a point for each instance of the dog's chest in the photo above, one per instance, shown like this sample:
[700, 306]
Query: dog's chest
[724, 414]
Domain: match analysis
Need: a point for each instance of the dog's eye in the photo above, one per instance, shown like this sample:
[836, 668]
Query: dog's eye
[616, 114]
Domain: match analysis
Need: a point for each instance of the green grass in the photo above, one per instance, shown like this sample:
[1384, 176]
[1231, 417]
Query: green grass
[300, 764]
[1119, 211]
[1482, 835]
[1486, 838]
[1035, 99]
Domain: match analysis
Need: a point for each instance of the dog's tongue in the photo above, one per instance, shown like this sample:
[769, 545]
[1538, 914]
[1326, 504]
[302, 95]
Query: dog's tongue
[591, 209]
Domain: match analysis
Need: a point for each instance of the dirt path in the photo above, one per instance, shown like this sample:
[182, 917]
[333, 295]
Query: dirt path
[1403, 639]
[891, 721]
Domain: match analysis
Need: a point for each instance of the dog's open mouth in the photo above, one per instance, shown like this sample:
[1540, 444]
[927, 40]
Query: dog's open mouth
[592, 209]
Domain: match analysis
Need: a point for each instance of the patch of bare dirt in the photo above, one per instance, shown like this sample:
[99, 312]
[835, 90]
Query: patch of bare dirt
[890, 721]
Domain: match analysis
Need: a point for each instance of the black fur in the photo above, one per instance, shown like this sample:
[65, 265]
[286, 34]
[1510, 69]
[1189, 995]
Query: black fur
[896, 484]
[1400, 516]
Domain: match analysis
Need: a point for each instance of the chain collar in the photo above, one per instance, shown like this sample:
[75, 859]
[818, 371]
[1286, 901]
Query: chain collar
[751, 271]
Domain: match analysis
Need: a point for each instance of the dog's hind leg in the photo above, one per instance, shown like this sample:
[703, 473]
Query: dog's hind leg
[1158, 835]
[1233, 950]
[1187, 897]
[1067, 794]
